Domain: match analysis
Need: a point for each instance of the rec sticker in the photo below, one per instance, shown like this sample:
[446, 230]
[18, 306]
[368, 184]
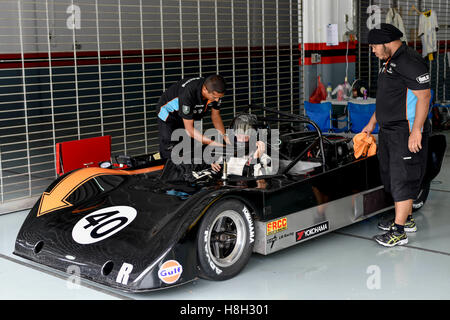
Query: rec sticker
[312, 231]
[276, 226]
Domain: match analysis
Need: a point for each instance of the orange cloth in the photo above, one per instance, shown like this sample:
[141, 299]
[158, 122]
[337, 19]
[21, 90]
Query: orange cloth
[364, 145]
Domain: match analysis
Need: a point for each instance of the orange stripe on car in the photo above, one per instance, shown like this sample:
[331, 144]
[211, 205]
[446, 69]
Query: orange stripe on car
[57, 198]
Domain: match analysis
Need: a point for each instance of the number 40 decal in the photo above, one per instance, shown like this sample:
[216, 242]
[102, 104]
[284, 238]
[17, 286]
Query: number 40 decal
[102, 224]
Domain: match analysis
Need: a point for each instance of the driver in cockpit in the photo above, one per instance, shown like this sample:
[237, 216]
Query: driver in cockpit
[249, 157]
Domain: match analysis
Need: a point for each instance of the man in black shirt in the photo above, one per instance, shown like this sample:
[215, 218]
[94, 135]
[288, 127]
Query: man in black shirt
[403, 97]
[186, 101]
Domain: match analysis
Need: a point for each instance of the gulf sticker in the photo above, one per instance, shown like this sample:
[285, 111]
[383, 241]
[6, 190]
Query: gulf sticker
[276, 226]
[170, 271]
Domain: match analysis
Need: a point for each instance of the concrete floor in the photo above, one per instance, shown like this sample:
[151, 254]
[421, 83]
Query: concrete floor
[346, 264]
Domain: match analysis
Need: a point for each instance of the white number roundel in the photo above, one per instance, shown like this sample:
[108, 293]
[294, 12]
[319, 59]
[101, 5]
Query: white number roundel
[102, 224]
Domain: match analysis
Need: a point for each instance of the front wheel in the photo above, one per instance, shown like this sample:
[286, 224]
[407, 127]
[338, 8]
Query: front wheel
[421, 198]
[225, 240]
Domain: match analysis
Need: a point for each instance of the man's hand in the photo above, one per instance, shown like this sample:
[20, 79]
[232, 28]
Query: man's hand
[371, 125]
[415, 141]
[226, 139]
[216, 144]
[369, 128]
[261, 148]
[216, 167]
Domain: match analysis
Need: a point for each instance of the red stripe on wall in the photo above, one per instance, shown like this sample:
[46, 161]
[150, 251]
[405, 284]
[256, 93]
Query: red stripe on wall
[40, 59]
[352, 45]
[330, 60]
[324, 46]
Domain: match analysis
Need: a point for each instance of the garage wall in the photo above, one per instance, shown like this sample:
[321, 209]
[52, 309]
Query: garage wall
[337, 60]
[73, 69]
[368, 65]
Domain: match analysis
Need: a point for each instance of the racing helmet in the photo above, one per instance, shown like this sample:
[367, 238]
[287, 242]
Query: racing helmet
[244, 127]
[244, 124]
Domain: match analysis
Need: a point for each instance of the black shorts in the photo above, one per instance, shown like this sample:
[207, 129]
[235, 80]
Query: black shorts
[401, 170]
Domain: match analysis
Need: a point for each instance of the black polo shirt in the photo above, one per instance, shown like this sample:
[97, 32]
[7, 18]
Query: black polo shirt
[406, 70]
[184, 100]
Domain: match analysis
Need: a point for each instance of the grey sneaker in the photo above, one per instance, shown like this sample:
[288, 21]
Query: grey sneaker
[392, 238]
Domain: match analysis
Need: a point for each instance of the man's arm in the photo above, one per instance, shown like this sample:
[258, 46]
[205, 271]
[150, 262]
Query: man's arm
[194, 133]
[186, 102]
[371, 125]
[422, 105]
[218, 123]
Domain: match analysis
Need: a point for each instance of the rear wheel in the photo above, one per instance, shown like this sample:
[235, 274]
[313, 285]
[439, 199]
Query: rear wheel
[225, 240]
[421, 198]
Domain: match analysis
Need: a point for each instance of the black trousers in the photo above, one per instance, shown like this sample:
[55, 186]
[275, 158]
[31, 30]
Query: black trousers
[165, 143]
[401, 170]
[165, 140]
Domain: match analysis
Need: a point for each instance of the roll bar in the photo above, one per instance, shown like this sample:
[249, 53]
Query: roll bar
[298, 119]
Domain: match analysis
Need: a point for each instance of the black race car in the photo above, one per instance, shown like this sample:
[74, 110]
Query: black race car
[137, 230]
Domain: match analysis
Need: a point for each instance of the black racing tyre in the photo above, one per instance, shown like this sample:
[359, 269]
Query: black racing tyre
[225, 240]
[421, 198]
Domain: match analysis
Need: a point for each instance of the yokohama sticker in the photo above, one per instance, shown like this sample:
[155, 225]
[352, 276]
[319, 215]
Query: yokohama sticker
[312, 231]
[211, 263]
[102, 224]
[250, 224]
